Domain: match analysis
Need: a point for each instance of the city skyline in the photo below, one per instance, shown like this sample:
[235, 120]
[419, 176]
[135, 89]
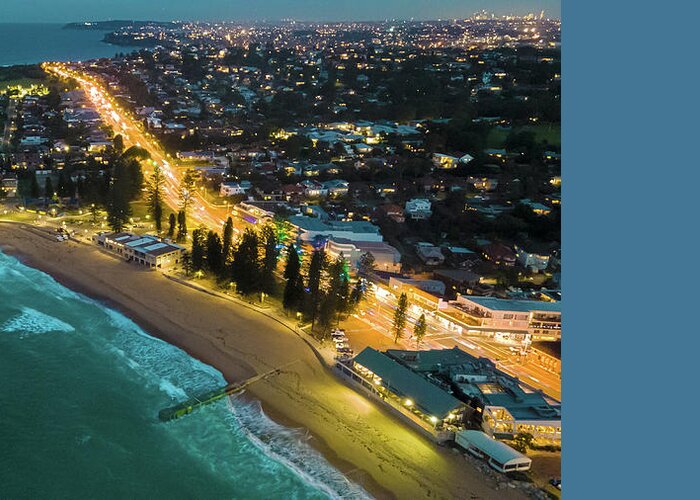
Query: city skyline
[272, 10]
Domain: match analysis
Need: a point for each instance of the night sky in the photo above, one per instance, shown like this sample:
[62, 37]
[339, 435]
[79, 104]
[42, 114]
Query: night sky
[247, 10]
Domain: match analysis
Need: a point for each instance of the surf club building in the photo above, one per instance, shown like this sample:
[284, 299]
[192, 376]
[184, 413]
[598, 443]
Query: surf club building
[147, 250]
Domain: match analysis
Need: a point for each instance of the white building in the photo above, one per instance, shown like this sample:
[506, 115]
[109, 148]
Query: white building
[310, 228]
[386, 257]
[231, 189]
[144, 250]
[523, 318]
[418, 208]
[530, 260]
[499, 455]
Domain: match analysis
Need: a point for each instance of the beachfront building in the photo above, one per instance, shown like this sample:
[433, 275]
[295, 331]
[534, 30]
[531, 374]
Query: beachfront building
[146, 250]
[498, 455]
[521, 319]
[506, 405]
[424, 403]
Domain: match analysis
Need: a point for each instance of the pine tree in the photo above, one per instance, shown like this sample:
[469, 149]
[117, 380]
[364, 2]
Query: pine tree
[171, 225]
[357, 294]
[155, 196]
[400, 317]
[294, 287]
[187, 189]
[334, 300]
[246, 264]
[227, 240]
[316, 266]
[214, 255]
[269, 259]
[198, 250]
[118, 208]
[419, 330]
[181, 226]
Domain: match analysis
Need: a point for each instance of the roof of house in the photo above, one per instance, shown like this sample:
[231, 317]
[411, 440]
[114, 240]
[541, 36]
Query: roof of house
[428, 397]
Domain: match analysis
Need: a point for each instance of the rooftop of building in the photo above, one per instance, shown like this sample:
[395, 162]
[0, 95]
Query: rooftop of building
[488, 384]
[428, 397]
[316, 224]
[151, 245]
[496, 304]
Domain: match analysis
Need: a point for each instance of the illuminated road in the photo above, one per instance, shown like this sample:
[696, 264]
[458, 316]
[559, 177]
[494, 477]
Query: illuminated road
[202, 212]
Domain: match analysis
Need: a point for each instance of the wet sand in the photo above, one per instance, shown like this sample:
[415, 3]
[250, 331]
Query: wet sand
[370, 446]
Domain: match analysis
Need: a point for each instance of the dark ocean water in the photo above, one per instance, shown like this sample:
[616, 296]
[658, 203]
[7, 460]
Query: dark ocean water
[80, 390]
[35, 43]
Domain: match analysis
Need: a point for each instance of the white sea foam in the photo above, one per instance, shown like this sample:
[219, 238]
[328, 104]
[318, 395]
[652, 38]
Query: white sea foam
[288, 447]
[30, 322]
[174, 371]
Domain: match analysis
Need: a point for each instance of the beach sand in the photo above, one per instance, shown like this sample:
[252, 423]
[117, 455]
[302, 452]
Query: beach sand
[370, 446]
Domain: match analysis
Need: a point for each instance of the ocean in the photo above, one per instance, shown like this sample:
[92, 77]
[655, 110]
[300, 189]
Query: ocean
[35, 43]
[80, 390]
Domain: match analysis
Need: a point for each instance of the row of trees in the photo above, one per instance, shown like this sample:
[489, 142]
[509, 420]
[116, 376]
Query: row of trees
[319, 290]
[250, 264]
[322, 294]
[401, 318]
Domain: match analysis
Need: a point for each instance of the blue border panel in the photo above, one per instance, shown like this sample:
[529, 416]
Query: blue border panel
[631, 182]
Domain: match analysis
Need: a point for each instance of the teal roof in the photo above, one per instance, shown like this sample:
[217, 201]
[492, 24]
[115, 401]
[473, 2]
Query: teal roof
[514, 305]
[427, 397]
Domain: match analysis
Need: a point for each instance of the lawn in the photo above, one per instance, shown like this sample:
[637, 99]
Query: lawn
[549, 132]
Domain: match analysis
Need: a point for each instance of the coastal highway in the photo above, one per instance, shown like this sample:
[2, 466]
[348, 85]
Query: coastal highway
[122, 122]
[379, 312]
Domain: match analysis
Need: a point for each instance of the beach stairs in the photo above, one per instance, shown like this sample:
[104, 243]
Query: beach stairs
[187, 407]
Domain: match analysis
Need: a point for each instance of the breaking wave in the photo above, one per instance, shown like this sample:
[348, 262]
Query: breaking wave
[31, 322]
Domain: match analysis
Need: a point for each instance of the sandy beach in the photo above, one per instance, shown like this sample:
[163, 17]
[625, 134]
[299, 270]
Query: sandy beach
[369, 445]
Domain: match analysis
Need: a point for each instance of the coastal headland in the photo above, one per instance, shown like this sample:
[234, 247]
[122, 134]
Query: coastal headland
[367, 444]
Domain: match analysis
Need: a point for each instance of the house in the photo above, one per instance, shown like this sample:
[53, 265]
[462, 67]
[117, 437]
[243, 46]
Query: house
[394, 212]
[336, 187]
[231, 189]
[419, 208]
[499, 254]
[400, 284]
[457, 278]
[429, 254]
[448, 162]
[531, 260]
[482, 183]
[313, 189]
[537, 208]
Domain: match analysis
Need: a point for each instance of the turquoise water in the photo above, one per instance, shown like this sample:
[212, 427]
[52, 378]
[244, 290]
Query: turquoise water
[80, 390]
[35, 43]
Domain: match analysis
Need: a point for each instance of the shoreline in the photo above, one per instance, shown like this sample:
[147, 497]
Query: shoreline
[370, 447]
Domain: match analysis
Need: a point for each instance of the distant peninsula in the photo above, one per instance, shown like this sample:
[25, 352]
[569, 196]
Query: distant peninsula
[110, 25]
